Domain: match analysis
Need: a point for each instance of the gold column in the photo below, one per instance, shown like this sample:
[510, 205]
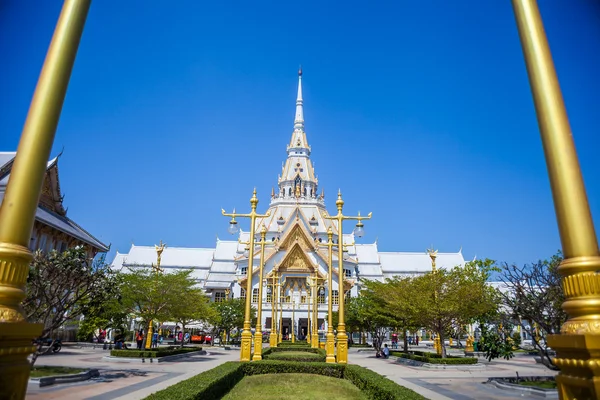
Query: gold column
[578, 345]
[258, 334]
[280, 310]
[342, 337]
[308, 315]
[157, 270]
[330, 342]
[437, 345]
[293, 317]
[246, 347]
[273, 335]
[22, 195]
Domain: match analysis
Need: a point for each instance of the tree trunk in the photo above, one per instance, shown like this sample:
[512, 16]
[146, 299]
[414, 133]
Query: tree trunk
[406, 341]
[182, 334]
[442, 345]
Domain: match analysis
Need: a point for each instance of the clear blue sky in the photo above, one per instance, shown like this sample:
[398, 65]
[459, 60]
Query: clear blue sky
[419, 111]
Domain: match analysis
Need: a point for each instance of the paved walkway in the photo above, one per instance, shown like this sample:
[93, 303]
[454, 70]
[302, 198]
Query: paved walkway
[123, 380]
[453, 384]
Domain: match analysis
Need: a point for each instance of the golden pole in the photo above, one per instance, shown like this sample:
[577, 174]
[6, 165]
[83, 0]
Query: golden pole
[437, 345]
[22, 195]
[157, 270]
[342, 337]
[246, 332]
[258, 333]
[315, 337]
[280, 311]
[273, 335]
[330, 342]
[308, 314]
[579, 343]
[293, 317]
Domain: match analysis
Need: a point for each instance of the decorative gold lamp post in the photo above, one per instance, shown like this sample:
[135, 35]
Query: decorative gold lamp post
[578, 345]
[21, 198]
[157, 270]
[330, 338]
[433, 255]
[342, 337]
[233, 229]
[280, 311]
[258, 333]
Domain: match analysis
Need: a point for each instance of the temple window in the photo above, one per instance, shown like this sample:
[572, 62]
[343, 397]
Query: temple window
[255, 295]
[347, 273]
[244, 270]
[219, 297]
[243, 294]
[335, 297]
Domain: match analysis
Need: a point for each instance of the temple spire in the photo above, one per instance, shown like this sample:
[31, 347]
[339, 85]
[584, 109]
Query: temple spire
[299, 120]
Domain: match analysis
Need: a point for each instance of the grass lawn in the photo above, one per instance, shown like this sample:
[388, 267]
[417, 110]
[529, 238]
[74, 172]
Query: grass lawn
[40, 372]
[540, 384]
[294, 386]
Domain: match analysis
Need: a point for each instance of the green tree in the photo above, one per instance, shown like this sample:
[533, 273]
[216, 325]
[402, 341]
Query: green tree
[398, 296]
[496, 341]
[450, 298]
[147, 295]
[190, 304]
[61, 287]
[229, 314]
[534, 294]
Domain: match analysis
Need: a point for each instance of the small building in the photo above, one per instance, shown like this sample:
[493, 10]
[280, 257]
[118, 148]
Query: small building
[52, 229]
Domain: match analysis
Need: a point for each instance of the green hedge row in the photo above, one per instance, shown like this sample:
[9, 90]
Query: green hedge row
[211, 384]
[436, 360]
[302, 356]
[153, 353]
[296, 344]
[215, 383]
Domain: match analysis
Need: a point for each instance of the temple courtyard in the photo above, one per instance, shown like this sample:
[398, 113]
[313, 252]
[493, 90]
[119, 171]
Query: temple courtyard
[124, 380]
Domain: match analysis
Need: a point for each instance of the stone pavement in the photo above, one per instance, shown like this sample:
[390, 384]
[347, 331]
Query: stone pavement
[123, 380]
[453, 384]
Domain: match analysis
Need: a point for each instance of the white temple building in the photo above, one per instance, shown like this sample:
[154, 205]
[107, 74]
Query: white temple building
[295, 229]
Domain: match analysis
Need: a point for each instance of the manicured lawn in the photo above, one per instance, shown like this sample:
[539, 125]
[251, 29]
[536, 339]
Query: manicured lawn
[40, 372]
[540, 384]
[294, 386]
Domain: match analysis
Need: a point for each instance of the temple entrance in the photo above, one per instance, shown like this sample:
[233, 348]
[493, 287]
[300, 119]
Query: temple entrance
[302, 328]
[286, 328]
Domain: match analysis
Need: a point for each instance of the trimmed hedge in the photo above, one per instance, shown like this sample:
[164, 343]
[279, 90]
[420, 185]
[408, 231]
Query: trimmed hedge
[215, 383]
[377, 387]
[436, 359]
[302, 356]
[211, 384]
[288, 367]
[153, 353]
[296, 344]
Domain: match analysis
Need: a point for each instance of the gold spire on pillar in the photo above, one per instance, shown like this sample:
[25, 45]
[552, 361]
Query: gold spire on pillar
[578, 345]
[22, 196]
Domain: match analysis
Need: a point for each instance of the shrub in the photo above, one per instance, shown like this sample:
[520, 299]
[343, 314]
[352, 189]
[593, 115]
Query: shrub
[215, 383]
[303, 356]
[296, 344]
[289, 367]
[377, 387]
[212, 384]
[153, 353]
[450, 360]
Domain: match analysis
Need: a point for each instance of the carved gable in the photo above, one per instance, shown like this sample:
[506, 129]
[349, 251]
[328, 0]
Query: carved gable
[297, 235]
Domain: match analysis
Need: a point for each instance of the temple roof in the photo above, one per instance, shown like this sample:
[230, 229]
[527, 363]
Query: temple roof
[55, 218]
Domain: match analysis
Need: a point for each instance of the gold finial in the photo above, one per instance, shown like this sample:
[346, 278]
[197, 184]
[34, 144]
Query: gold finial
[254, 199]
[339, 202]
[160, 248]
[263, 230]
[272, 192]
[329, 233]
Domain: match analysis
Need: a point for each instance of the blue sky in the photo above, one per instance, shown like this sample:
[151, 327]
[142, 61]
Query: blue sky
[420, 112]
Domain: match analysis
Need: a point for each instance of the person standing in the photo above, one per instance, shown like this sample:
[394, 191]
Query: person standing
[139, 338]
